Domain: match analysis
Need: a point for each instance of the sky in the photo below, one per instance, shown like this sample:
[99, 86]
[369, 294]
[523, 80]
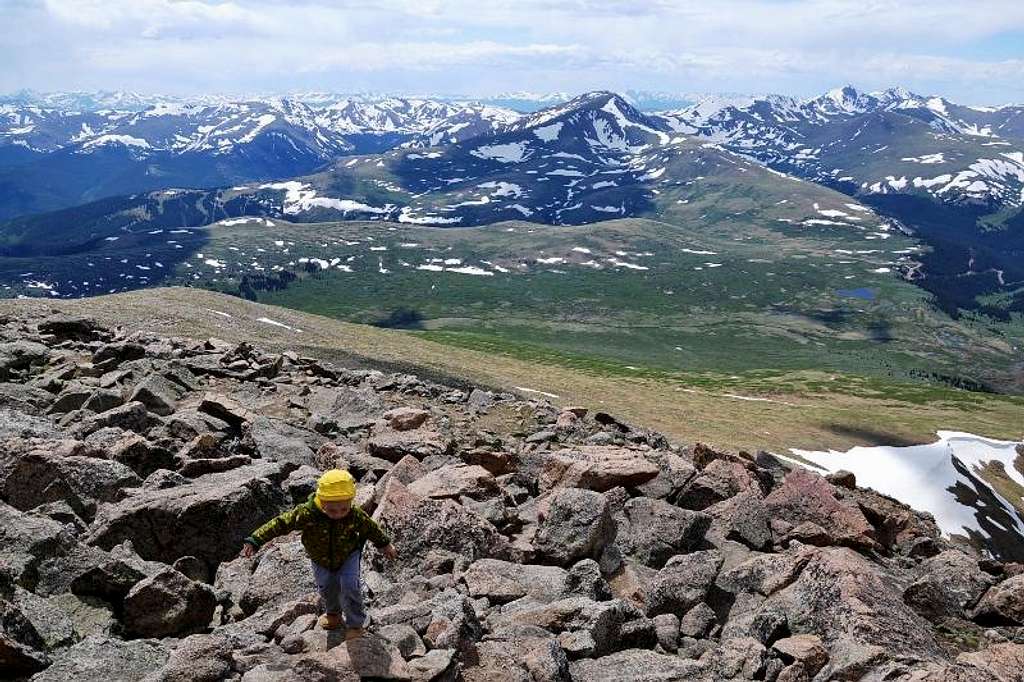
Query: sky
[971, 51]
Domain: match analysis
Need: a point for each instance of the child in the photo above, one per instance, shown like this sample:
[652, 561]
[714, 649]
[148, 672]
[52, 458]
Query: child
[333, 533]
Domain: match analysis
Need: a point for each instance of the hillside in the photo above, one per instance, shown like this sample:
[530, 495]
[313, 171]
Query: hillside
[534, 541]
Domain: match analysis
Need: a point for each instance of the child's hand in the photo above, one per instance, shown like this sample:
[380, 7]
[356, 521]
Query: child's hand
[247, 550]
[390, 552]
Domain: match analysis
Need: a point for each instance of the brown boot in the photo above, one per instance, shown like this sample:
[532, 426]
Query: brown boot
[331, 621]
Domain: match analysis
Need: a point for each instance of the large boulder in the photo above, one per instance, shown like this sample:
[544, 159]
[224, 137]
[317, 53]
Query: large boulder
[1003, 604]
[684, 582]
[806, 499]
[27, 542]
[343, 408]
[41, 476]
[168, 604]
[454, 481]
[419, 526]
[573, 524]
[595, 467]
[17, 356]
[719, 480]
[420, 443]
[15, 424]
[207, 518]
[22, 647]
[638, 665]
[658, 530]
[586, 627]
[101, 659]
[949, 584]
[280, 573]
[157, 393]
[503, 581]
[278, 441]
[856, 609]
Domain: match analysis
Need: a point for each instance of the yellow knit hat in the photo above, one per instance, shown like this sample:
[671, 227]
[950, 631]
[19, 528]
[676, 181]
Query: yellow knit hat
[335, 485]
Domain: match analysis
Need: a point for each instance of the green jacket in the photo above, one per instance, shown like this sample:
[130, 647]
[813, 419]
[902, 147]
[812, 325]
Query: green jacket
[327, 542]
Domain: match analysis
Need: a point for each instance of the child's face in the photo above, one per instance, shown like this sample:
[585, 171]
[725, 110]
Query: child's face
[337, 510]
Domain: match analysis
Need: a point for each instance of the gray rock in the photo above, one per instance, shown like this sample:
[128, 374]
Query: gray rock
[683, 582]
[197, 658]
[1003, 604]
[637, 665]
[658, 530]
[573, 524]
[504, 581]
[277, 441]
[16, 356]
[455, 481]
[949, 584]
[167, 604]
[130, 417]
[103, 399]
[595, 467]
[279, 573]
[419, 526]
[101, 659]
[158, 394]
[39, 477]
[14, 424]
[207, 518]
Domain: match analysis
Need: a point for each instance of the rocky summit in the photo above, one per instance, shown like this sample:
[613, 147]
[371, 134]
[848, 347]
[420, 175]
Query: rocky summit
[535, 542]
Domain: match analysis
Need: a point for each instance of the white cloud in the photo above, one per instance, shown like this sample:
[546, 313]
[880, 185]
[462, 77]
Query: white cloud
[798, 46]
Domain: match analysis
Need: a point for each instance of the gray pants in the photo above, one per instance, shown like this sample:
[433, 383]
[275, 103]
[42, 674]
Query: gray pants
[342, 590]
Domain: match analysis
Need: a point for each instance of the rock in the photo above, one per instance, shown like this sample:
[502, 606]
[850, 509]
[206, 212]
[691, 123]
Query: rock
[103, 399]
[277, 441]
[673, 474]
[504, 581]
[573, 524]
[420, 525]
[279, 574]
[71, 328]
[420, 443]
[999, 662]
[207, 518]
[842, 479]
[197, 658]
[39, 477]
[599, 623]
[27, 542]
[158, 394]
[225, 409]
[134, 451]
[194, 468]
[88, 615]
[455, 481]
[666, 627]
[23, 426]
[683, 582]
[16, 356]
[637, 665]
[719, 480]
[111, 355]
[948, 584]
[101, 659]
[1003, 604]
[405, 638]
[168, 604]
[742, 518]
[807, 497]
[658, 530]
[114, 576]
[129, 417]
[585, 580]
[22, 647]
[840, 595]
[805, 649]
[406, 418]
[698, 621]
[343, 409]
[595, 467]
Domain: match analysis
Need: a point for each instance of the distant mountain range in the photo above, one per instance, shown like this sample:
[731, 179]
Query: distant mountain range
[953, 175]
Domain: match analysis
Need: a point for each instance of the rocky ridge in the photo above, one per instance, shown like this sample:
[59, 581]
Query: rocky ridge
[536, 542]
